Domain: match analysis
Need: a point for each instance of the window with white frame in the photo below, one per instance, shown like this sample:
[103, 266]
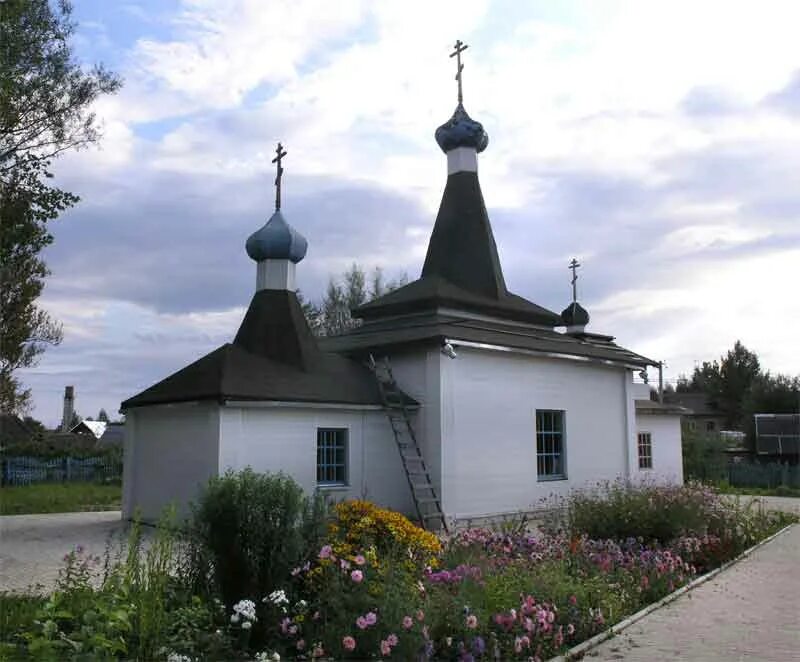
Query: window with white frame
[550, 445]
[645, 445]
[331, 456]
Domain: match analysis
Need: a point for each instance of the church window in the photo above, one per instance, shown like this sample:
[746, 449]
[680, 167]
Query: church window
[645, 445]
[332, 456]
[550, 446]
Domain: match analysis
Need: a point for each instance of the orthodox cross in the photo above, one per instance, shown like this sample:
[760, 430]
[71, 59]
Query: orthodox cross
[574, 266]
[460, 47]
[280, 152]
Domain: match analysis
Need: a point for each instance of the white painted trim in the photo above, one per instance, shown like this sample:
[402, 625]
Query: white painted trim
[534, 352]
[275, 275]
[462, 159]
[278, 404]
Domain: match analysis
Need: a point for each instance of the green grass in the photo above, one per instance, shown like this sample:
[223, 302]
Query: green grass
[59, 498]
[17, 613]
[781, 491]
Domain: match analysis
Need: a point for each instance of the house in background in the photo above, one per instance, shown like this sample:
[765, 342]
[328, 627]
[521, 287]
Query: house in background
[454, 399]
[701, 415]
[13, 430]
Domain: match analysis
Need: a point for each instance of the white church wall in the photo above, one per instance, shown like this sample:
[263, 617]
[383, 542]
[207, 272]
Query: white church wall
[170, 453]
[284, 438]
[490, 400]
[665, 435]
[418, 373]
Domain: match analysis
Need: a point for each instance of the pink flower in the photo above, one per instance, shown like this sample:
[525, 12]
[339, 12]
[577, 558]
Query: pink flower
[285, 625]
[408, 622]
[318, 651]
[326, 552]
[345, 564]
[420, 615]
[359, 560]
[357, 576]
[348, 643]
[371, 618]
[573, 600]
[392, 640]
[361, 623]
[386, 649]
[472, 621]
[301, 644]
[570, 629]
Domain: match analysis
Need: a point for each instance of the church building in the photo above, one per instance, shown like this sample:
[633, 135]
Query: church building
[454, 399]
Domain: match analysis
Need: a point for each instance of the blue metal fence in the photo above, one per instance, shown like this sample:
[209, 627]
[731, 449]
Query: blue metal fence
[29, 470]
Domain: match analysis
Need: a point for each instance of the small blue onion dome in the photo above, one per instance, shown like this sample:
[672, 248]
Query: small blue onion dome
[277, 240]
[575, 315]
[461, 131]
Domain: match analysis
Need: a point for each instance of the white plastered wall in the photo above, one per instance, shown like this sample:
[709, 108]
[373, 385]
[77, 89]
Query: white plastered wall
[284, 438]
[170, 453]
[665, 434]
[489, 403]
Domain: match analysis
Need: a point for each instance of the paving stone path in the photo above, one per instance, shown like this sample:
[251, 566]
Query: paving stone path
[32, 547]
[751, 611]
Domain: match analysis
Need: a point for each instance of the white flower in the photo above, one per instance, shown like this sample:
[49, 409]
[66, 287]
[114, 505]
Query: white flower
[264, 656]
[234, 618]
[177, 657]
[246, 625]
[277, 598]
[246, 609]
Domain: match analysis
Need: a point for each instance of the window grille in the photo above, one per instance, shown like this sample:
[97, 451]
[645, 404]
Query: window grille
[550, 445]
[645, 445]
[332, 456]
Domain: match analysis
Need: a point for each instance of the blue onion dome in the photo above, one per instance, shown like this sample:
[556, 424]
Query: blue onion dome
[461, 131]
[277, 240]
[575, 315]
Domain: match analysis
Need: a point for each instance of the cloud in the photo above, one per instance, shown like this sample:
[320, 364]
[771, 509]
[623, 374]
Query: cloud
[671, 172]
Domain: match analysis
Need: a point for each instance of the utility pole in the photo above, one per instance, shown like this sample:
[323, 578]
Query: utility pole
[661, 382]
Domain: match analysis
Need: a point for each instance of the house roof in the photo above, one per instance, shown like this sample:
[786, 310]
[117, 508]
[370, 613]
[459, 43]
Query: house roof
[436, 327]
[97, 428]
[13, 429]
[462, 268]
[653, 408]
[698, 404]
[273, 357]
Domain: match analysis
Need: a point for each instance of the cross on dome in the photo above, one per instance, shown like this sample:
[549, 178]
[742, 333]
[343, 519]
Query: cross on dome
[280, 153]
[460, 47]
[574, 267]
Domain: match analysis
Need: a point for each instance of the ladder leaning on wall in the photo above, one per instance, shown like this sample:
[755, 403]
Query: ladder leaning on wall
[426, 499]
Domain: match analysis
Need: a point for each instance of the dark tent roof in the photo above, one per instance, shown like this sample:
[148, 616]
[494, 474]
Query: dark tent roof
[273, 357]
[427, 328]
[462, 268]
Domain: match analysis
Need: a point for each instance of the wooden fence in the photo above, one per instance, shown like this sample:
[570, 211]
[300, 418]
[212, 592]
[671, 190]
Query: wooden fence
[29, 470]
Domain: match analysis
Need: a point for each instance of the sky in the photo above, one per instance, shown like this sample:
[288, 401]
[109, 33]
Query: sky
[657, 142]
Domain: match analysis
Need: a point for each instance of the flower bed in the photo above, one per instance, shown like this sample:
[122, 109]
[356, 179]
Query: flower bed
[377, 587]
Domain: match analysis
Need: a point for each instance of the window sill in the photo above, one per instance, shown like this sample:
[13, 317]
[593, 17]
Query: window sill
[333, 487]
[549, 479]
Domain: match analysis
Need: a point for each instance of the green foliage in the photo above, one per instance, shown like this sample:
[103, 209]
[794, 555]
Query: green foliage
[45, 102]
[332, 314]
[248, 530]
[59, 498]
[704, 456]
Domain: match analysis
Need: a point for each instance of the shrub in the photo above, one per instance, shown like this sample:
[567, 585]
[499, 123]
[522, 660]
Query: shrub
[362, 524]
[248, 530]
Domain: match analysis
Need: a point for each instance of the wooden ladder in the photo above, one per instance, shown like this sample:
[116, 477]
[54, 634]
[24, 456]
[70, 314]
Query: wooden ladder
[426, 500]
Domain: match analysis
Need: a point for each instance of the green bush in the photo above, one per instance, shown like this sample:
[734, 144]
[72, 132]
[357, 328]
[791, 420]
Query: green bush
[247, 532]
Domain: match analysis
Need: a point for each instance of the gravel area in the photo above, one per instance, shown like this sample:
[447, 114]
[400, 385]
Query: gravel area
[32, 547]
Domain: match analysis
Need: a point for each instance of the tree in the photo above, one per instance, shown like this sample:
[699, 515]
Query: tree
[102, 416]
[727, 381]
[768, 394]
[332, 314]
[45, 101]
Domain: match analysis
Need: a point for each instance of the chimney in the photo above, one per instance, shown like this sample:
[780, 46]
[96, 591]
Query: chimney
[69, 408]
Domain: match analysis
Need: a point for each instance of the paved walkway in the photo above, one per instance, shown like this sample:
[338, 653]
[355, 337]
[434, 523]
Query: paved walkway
[32, 547]
[751, 611]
